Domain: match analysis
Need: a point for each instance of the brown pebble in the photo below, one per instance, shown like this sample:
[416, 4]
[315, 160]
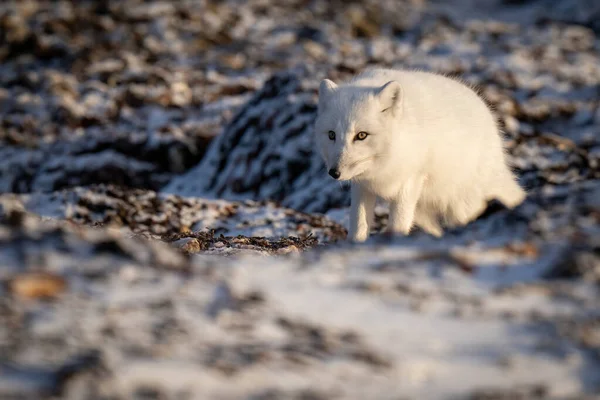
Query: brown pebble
[288, 250]
[37, 285]
[524, 249]
[188, 245]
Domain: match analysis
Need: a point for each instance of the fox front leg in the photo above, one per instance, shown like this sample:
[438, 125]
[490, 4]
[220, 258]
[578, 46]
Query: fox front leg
[362, 209]
[403, 207]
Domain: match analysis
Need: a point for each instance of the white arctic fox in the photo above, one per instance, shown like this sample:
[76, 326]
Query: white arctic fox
[425, 143]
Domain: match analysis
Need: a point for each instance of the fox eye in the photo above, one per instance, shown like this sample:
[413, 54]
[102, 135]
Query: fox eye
[361, 136]
[331, 135]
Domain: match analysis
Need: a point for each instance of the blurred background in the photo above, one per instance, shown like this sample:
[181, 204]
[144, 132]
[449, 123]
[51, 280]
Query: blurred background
[155, 81]
[140, 139]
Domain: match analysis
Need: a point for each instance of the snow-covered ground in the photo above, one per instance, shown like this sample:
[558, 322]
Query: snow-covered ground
[420, 319]
[142, 259]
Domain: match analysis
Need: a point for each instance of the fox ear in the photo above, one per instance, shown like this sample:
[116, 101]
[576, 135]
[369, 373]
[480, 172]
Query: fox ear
[326, 89]
[390, 96]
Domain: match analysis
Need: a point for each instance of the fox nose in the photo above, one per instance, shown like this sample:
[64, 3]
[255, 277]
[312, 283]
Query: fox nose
[334, 173]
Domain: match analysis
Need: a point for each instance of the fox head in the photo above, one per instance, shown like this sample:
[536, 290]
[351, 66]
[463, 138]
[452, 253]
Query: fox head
[354, 125]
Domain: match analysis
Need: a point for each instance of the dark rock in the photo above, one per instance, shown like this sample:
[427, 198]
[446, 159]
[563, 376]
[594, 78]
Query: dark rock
[247, 158]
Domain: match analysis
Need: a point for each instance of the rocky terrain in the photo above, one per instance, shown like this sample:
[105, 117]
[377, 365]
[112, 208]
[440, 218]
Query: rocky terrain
[168, 232]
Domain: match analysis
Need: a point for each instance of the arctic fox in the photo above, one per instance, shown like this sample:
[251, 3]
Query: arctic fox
[425, 143]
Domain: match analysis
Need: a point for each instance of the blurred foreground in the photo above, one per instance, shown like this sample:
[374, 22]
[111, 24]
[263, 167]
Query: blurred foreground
[159, 194]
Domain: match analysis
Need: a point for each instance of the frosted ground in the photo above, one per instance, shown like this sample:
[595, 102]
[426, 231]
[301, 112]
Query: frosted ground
[167, 232]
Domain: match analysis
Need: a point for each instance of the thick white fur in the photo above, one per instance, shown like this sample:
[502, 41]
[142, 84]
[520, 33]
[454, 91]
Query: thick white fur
[434, 151]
